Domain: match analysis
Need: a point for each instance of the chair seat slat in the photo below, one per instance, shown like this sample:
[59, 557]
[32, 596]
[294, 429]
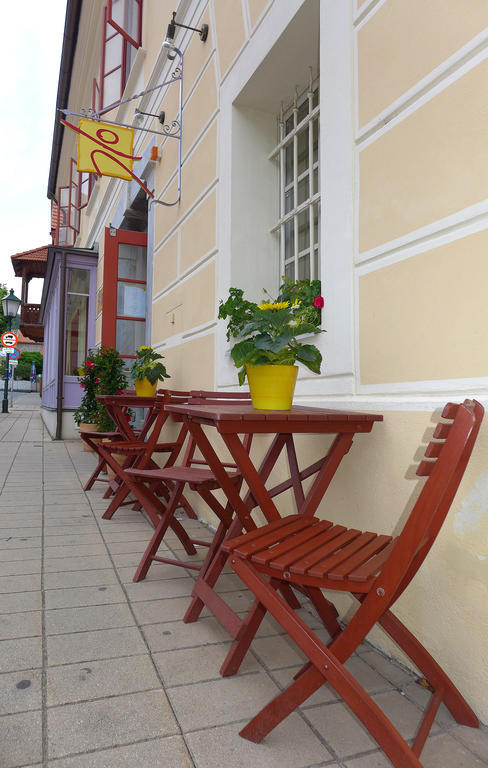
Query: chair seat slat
[294, 542]
[232, 544]
[330, 563]
[304, 565]
[361, 557]
[270, 538]
[307, 553]
[373, 566]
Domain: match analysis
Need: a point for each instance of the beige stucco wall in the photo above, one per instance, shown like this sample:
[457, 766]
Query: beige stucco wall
[434, 30]
[420, 323]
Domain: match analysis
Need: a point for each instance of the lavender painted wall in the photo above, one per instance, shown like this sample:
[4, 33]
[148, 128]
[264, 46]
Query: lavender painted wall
[72, 392]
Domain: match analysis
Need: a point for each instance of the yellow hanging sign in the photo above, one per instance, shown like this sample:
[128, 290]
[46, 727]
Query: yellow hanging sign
[106, 149]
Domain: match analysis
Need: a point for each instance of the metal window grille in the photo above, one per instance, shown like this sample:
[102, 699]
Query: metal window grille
[298, 155]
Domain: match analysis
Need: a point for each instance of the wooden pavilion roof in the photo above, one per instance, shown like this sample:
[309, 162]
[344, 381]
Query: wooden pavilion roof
[35, 260]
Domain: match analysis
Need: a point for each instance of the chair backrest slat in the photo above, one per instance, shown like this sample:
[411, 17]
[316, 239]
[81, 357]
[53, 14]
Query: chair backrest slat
[444, 476]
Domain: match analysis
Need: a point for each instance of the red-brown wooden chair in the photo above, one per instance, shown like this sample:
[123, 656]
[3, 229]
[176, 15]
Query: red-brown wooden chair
[314, 554]
[194, 473]
[139, 451]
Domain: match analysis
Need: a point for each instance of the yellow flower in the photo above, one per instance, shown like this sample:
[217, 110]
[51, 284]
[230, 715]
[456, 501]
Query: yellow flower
[276, 305]
[143, 347]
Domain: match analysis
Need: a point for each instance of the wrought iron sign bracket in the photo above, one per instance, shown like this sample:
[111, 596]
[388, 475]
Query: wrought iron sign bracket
[171, 130]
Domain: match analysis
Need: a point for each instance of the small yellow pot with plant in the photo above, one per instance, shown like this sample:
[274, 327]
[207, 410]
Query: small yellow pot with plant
[147, 371]
[267, 349]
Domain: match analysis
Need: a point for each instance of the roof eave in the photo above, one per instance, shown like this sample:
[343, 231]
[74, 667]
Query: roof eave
[71, 25]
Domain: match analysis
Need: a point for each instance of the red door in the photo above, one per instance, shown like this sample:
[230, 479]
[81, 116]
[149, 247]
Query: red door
[124, 290]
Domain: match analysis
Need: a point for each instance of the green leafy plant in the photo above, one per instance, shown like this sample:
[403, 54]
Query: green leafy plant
[268, 332]
[148, 366]
[102, 373]
[87, 412]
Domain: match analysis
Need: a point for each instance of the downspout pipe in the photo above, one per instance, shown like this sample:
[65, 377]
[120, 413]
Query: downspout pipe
[62, 312]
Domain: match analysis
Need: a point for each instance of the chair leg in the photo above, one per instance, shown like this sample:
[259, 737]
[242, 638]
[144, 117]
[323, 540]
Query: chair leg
[94, 475]
[454, 701]
[326, 610]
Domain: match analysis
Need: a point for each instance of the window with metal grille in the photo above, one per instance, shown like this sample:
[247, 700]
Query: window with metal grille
[298, 156]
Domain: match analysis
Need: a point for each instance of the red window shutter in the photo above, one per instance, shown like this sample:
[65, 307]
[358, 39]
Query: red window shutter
[125, 16]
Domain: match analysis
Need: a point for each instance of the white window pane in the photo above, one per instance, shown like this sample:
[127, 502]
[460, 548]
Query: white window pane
[132, 262]
[78, 281]
[302, 158]
[130, 334]
[131, 300]
[76, 332]
[304, 268]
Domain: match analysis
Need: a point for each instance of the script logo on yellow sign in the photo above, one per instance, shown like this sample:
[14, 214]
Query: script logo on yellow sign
[105, 149]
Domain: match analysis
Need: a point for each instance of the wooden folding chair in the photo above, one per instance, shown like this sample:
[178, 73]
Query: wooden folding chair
[139, 450]
[194, 473]
[314, 554]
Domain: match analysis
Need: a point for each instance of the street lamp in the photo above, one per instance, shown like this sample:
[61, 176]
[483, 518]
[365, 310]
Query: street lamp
[10, 307]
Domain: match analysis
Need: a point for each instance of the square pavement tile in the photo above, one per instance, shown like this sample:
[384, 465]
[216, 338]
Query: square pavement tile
[20, 691]
[475, 739]
[84, 618]
[169, 752]
[292, 745]
[187, 665]
[90, 646]
[21, 739]
[82, 596]
[19, 602]
[109, 722]
[20, 625]
[66, 579]
[20, 653]
[111, 677]
[148, 590]
[340, 729]
[277, 651]
[21, 555]
[173, 635]
[443, 751]
[217, 702]
[87, 563]
[28, 582]
[159, 611]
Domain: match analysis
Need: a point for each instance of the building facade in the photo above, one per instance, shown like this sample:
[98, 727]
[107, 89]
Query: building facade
[341, 139]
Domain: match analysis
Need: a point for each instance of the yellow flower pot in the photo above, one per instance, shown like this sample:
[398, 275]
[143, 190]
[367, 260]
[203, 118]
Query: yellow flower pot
[272, 386]
[144, 388]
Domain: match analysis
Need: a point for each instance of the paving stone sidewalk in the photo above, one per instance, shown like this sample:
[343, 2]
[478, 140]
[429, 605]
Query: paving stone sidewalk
[99, 672]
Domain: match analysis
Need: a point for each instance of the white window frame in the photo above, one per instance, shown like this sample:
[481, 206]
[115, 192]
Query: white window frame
[336, 151]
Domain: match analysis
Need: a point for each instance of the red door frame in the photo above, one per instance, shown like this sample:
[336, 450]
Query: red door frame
[114, 237]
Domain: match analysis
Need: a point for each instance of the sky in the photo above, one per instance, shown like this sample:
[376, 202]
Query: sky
[29, 61]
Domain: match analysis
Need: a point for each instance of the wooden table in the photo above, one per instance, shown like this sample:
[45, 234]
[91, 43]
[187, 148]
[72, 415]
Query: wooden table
[232, 421]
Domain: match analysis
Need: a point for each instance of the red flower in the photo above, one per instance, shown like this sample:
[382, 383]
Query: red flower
[89, 364]
[120, 391]
[318, 302]
[82, 384]
[97, 381]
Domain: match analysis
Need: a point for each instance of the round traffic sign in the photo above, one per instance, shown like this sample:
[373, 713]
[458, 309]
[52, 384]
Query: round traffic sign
[14, 354]
[8, 339]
